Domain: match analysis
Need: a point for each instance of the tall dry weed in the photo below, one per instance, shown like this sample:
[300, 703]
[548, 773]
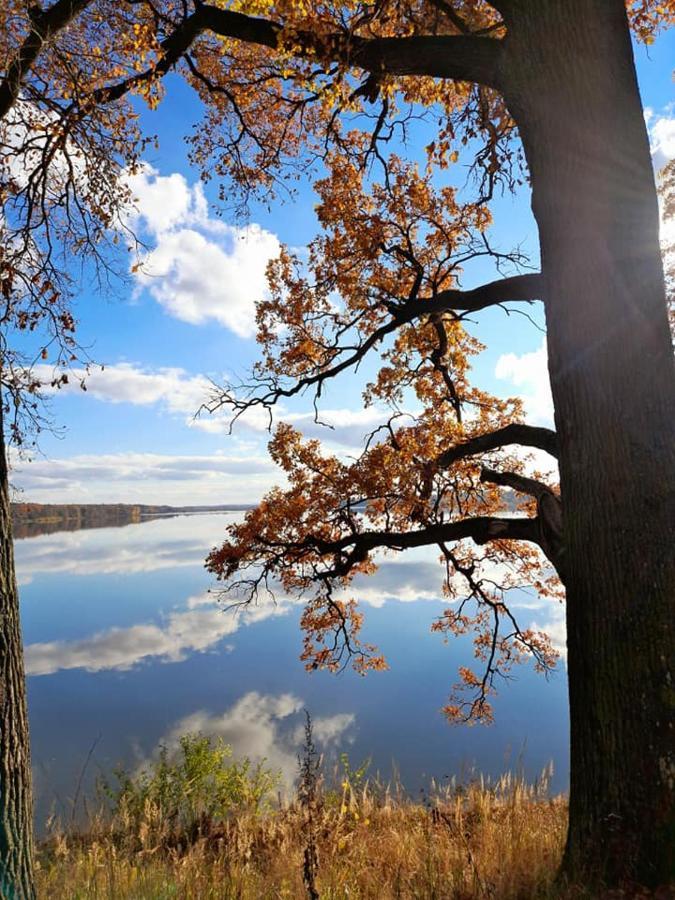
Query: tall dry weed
[344, 836]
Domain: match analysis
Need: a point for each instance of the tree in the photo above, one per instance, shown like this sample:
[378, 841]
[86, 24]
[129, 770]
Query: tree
[63, 202]
[667, 191]
[287, 86]
[566, 74]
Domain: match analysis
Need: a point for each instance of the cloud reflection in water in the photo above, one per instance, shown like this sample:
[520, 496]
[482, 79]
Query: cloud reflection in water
[200, 624]
[264, 727]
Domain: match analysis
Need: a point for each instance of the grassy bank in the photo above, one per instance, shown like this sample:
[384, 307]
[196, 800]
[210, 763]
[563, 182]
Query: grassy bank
[198, 825]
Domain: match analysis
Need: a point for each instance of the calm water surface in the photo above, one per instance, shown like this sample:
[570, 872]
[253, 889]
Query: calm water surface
[126, 649]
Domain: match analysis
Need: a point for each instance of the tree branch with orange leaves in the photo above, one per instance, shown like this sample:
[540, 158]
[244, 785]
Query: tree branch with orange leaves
[382, 280]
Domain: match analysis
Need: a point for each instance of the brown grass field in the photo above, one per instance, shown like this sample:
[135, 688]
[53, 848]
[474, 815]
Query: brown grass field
[357, 840]
[200, 826]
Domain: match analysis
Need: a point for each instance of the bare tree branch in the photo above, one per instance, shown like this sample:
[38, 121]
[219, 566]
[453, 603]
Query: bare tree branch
[453, 16]
[518, 288]
[173, 48]
[549, 511]
[524, 435]
[480, 529]
[518, 482]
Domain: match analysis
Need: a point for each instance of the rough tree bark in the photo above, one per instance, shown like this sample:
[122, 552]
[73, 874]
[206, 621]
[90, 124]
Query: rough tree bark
[16, 806]
[573, 90]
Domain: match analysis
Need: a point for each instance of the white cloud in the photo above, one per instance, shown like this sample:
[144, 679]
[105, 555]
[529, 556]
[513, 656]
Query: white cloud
[26, 132]
[180, 480]
[199, 268]
[662, 138]
[257, 727]
[162, 203]
[343, 427]
[194, 630]
[529, 373]
[347, 427]
[146, 478]
[173, 388]
[181, 393]
[661, 130]
[663, 133]
[419, 574]
[405, 581]
[555, 628]
[328, 729]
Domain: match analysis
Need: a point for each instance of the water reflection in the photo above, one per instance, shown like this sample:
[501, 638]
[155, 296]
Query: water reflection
[124, 641]
[193, 630]
[266, 727]
[161, 543]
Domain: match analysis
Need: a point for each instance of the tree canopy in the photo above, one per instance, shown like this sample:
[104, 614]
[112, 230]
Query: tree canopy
[287, 89]
[382, 277]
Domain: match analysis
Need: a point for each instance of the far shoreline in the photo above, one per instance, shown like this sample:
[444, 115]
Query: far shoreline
[35, 519]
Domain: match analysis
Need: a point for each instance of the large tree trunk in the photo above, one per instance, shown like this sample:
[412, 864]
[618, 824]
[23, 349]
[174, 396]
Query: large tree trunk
[576, 100]
[16, 808]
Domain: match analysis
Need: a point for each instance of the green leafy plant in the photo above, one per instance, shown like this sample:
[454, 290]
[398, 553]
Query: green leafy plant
[190, 789]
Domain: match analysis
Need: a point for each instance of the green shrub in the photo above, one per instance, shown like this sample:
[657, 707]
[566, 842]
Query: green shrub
[189, 789]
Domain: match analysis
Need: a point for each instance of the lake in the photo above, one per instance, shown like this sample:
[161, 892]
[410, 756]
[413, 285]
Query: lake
[126, 649]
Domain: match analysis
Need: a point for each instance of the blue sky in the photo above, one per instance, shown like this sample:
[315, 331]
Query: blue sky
[187, 317]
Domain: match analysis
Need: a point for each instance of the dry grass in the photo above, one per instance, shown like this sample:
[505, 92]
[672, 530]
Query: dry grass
[497, 841]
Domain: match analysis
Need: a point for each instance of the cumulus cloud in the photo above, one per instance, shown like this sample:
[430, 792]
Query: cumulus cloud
[199, 268]
[420, 575]
[172, 388]
[661, 128]
[162, 203]
[197, 628]
[264, 727]
[26, 132]
[528, 372]
[239, 477]
[555, 627]
[662, 138]
[327, 729]
[180, 393]
[540, 613]
[347, 427]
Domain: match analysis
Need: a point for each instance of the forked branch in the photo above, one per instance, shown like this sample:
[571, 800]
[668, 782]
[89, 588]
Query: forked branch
[549, 511]
[460, 57]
